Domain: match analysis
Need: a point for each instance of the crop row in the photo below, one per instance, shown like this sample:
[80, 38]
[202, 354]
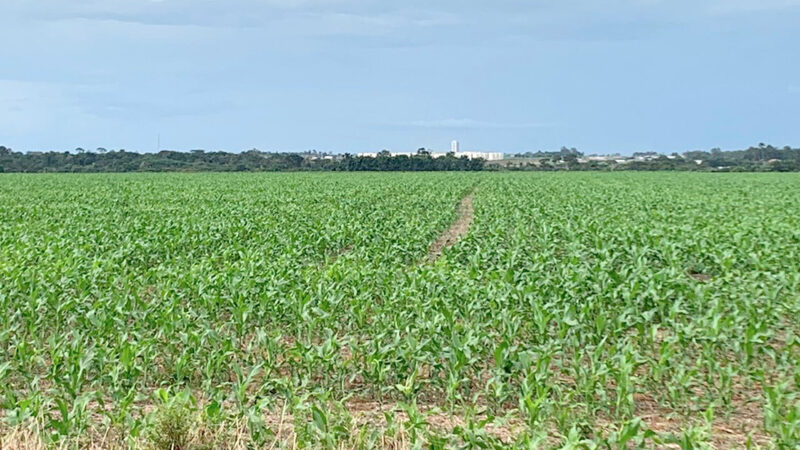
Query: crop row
[580, 309]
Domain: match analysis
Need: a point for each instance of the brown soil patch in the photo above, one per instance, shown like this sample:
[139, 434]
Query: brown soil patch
[458, 229]
[725, 432]
[235, 435]
[700, 277]
[341, 252]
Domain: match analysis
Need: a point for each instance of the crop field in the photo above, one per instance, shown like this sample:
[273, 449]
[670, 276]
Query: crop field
[474, 310]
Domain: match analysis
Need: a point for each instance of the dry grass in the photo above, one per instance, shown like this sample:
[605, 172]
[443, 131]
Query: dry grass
[733, 431]
[234, 439]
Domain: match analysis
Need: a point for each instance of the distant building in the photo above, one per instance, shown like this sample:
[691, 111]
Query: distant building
[454, 147]
[488, 156]
[601, 158]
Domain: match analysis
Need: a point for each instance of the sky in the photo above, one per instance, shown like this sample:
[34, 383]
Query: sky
[604, 76]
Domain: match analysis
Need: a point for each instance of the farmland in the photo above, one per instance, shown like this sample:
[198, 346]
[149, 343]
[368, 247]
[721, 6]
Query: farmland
[304, 310]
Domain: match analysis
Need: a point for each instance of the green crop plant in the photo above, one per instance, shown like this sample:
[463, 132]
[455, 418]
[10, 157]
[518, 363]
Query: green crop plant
[579, 310]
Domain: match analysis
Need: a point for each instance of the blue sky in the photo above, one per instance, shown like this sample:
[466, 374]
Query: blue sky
[363, 75]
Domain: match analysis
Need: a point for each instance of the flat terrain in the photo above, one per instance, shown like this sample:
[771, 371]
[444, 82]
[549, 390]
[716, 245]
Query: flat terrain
[400, 310]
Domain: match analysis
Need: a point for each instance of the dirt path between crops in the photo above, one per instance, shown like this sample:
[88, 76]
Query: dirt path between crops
[458, 229]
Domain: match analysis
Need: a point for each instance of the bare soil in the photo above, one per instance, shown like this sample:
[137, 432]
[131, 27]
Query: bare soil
[724, 433]
[700, 277]
[456, 231]
[341, 252]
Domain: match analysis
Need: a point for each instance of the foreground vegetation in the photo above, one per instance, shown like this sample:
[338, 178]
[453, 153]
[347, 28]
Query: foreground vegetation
[259, 310]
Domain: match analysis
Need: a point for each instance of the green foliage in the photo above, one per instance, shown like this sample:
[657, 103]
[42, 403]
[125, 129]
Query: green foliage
[578, 311]
[171, 429]
[217, 161]
[176, 424]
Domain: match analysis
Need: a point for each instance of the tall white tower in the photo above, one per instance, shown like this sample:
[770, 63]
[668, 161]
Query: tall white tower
[454, 146]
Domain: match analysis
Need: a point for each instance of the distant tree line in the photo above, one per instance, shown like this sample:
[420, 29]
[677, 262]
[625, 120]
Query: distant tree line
[217, 161]
[563, 153]
[761, 158]
[758, 158]
[421, 161]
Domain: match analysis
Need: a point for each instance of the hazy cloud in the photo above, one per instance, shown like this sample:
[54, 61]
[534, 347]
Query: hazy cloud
[472, 124]
[34, 107]
[751, 6]
[349, 73]
[310, 16]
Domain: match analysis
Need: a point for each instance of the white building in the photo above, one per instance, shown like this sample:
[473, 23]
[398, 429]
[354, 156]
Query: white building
[488, 156]
[454, 146]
